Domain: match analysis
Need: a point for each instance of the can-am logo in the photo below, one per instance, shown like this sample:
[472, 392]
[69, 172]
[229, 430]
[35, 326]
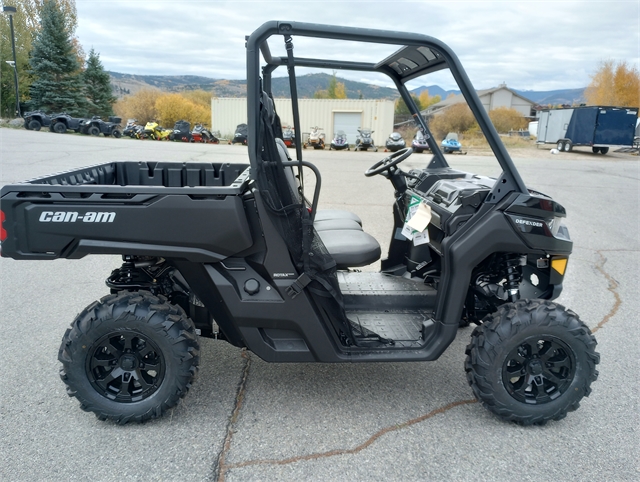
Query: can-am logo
[526, 222]
[72, 217]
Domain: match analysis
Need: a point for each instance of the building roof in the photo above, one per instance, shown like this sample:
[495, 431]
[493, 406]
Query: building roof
[459, 98]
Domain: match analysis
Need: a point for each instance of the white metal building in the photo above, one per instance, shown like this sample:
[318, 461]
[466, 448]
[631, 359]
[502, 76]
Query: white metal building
[329, 114]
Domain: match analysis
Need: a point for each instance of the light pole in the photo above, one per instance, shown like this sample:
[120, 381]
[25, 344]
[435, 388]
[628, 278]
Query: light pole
[11, 11]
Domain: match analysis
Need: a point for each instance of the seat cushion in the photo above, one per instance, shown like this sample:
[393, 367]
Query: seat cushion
[336, 225]
[324, 214]
[350, 247]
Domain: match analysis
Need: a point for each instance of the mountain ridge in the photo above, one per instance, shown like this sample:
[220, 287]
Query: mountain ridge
[307, 85]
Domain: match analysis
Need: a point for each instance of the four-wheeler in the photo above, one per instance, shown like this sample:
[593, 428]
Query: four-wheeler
[419, 143]
[241, 252]
[316, 138]
[61, 123]
[395, 142]
[35, 120]
[450, 143]
[96, 126]
[364, 140]
[240, 135]
[339, 142]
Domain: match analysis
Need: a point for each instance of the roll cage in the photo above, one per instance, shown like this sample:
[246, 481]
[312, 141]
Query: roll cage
[417, 55]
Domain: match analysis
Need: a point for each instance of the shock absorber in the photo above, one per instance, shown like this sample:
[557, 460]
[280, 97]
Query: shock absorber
[512, 263]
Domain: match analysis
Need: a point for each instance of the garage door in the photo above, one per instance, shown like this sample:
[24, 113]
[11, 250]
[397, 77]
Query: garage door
[347, 122]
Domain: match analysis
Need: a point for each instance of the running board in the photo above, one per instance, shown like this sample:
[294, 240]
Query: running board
[378, 292]
[406, 329]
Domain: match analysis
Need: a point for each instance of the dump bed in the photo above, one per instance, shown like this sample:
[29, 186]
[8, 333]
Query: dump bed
[191, 211]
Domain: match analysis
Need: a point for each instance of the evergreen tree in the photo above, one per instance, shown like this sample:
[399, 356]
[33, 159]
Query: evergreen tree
[97, 87]
[58, 81]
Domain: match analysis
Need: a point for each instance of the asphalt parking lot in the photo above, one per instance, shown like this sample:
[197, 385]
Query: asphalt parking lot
[245, 419]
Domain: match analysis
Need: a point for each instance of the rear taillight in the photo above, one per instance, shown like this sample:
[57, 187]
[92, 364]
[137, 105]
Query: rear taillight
[3, 232]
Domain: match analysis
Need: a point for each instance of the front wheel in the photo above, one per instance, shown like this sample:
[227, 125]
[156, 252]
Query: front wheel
[34, 125]
[129, 357]
[531, 361]
[94, 131]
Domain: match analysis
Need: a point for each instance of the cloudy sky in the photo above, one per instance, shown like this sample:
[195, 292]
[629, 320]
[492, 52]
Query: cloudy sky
[530, 45]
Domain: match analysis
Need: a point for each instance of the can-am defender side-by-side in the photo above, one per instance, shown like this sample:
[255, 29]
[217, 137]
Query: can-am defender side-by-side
[244, 254]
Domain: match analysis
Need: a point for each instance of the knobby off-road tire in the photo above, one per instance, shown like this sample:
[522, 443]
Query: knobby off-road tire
[129, 356]
[59, 127]
[531, 361]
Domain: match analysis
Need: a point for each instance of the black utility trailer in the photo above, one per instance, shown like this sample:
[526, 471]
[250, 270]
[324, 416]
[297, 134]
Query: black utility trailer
[236, 251]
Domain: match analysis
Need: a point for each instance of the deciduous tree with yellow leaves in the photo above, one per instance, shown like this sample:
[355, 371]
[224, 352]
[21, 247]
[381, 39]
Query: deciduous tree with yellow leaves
[614, 84]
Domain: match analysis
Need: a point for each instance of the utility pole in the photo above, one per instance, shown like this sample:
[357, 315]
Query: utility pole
[11, 11]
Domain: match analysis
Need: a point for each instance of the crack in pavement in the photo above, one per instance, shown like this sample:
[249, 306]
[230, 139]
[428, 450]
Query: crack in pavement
[613, 288]
[221, 468]
[332, 453]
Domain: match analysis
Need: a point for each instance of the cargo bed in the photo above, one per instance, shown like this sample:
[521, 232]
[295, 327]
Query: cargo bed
[151, 208]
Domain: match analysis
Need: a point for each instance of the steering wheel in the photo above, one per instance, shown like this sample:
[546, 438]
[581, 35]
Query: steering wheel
[388, 162]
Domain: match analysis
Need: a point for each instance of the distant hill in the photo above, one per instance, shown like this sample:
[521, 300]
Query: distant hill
[554, 97]
[310, 83]
[307, 85]
[434, 90]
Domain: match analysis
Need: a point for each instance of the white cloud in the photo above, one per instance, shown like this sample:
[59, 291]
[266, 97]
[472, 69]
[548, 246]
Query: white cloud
[530, 45]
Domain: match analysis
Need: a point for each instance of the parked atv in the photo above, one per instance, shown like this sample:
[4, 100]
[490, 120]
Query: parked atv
[339, 142]
[153, 130]
[316, 138]
[240, 136]
[364, 140]
[450, 143]
[395, 142]
[96, 126]
[289, 136]
[419, 143]
[61, 123]
[243, 254]
[35, 120]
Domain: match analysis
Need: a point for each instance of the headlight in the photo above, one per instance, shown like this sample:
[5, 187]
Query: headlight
[554, 224]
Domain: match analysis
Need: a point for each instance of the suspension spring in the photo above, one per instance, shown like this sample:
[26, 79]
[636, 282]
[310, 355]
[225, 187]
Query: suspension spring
[514, 275]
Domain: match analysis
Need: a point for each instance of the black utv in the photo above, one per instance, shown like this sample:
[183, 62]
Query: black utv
[61, 123]
[242, 253]
[35, 120]
[96, 126]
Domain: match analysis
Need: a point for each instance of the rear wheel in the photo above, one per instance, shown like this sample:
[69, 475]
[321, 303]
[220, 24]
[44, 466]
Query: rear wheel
[531, 361]
[129, 357]
[568, 146]
[604, 150]
[560, 146]
[34, 125]
[117, 133]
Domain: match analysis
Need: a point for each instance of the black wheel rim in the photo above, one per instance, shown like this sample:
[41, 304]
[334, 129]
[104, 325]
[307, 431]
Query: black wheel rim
[539, 370]
[125, 366]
